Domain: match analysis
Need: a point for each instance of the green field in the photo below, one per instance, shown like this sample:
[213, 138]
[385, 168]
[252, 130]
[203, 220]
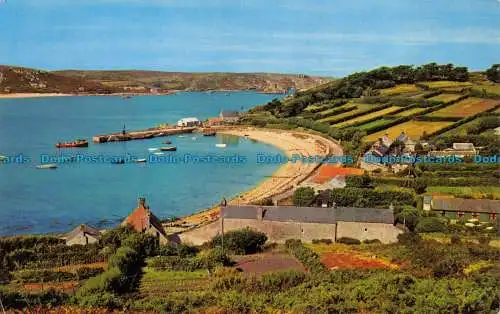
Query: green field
[490, 192]
[410, 112]
[158, 283]
[446, 98]
[414, 129]
[373, 124]
[466, 108]
[359, 108]
[328, 111]
[367, 117]
[399, 89]
[446, 84]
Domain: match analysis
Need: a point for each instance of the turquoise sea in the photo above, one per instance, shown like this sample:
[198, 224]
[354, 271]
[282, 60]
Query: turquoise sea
[100, 193]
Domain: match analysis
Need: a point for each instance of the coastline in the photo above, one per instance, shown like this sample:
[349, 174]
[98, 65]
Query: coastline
[285, 177]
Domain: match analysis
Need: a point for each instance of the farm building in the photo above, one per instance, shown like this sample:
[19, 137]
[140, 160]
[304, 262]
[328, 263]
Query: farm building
[229, 116]
[143, 220]
[83, 235]
[188, 122]
[281, 223]
[384, 146]
[458, 149]
[461, 208]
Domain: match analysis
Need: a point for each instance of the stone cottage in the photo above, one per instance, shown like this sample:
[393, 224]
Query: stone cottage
[83, 235]
[143, 220]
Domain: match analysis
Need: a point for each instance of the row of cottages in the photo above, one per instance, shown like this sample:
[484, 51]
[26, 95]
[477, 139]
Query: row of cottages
[461, 208]
[385, 146]
[141, 220]
[281, 223]
[457, 149]
[225, 117]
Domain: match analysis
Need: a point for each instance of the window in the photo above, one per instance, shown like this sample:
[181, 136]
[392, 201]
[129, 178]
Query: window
[366, 229]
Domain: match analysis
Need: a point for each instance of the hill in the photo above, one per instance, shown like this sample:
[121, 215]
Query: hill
[26, 80]
[140, 80]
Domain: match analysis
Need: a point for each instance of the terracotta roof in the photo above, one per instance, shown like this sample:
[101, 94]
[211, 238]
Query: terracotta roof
[327, 172]
[85, 229]
[326, 215]
[466, 205]
[142, 217]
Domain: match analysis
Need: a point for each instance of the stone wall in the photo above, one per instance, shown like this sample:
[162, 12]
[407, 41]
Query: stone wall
[386, 233]
[82, 239]
[276, 231]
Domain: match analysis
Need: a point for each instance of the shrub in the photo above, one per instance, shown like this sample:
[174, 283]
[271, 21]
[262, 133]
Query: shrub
[430, 224]
[281, 281]
[372, 241]
[303, 196]
[484, 240]
[306, 256]
[323, 241]
[347, 240]
[363, 181]
[88, 272]
[243, 241]
[455, 239]
[409, 238]
[43, 276]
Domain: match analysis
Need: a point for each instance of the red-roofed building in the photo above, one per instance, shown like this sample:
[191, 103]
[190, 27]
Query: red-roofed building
[143, 220]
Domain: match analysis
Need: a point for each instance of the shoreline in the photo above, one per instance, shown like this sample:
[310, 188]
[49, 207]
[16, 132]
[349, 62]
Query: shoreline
[285, 178]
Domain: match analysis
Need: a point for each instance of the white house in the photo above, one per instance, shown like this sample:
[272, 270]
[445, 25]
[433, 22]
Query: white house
[188, 122]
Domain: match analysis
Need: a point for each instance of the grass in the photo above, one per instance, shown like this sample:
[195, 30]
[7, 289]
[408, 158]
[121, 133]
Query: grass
[367, 117]
[489, 192]
[359, 108]
[373, 124]
[446, 84]
[399, 89]
[466, 108]
[414, 129]
[446, 98]
[330, 110]
[490, 89]
[410, 112]
[159, 283]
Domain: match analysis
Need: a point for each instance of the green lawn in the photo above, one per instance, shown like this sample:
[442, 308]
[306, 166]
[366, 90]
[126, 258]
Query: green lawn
[158, 283]
[490, 192]
[373, 124]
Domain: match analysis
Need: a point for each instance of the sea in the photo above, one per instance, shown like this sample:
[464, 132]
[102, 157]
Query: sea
[88, 188]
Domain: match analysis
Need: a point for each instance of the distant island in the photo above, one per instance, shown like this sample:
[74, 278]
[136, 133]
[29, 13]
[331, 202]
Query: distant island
[20, 80]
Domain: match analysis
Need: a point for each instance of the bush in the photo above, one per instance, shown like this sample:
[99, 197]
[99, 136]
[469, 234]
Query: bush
[323, 241]
[243, 241]
[484, 240]
[455, 239]
[430, 224]
[280, 281]
[306, 256]
[87, 272]
[363, 181]
[43, 276]
[372, 241]
[347, 240]
[175, 263]
[409, 238]
[303, 196]
[360, 197]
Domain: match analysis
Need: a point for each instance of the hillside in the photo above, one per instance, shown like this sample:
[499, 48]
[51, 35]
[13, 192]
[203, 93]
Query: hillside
[140, 80]
[425, 102]
[26, 80]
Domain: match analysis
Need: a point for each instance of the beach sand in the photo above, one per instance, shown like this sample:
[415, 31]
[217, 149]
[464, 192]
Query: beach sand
[32, 95]
[287, 176]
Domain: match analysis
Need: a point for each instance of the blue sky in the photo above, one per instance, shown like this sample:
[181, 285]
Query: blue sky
[334, 37]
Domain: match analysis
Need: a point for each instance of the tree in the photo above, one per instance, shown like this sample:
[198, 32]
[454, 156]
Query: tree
[242, 241]
[409, 217]
[493, 73]
[303, 196]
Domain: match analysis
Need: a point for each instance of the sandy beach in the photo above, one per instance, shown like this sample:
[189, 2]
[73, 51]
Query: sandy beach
[287, 176]
[32, 95]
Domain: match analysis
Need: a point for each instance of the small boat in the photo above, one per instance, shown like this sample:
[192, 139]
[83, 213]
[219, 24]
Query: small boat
[118, 162]
[140, 160]
[76, 143]
[193, 138]
[47, 166]
[158, 153]
[127, 97]
[168, 149]
[160, 134]
[220, 145]
[167, 142]
[211, 133]
[2, 157]
[153, 149]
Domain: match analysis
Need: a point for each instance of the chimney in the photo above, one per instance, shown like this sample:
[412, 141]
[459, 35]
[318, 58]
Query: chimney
[142, 202]
[260, 213]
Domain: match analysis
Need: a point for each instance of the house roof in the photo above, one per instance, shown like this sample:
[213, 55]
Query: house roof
[402, 137]
[83, 229]
[325, 215]
[466, 205]
[140, 217]
[463, 146]
[229, 114]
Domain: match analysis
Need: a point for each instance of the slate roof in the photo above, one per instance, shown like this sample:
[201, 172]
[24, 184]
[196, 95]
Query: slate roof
[466, 205]
[85, 229]
[329, 215]
[463, 146]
